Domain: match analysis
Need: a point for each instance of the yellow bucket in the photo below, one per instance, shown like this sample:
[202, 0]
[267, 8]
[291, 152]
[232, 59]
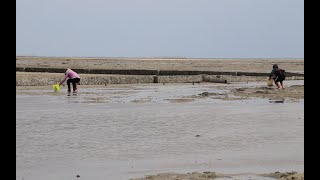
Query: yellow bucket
[270, 82]
[56, 87]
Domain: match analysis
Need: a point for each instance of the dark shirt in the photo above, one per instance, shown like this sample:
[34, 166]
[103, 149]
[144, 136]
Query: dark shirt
[277, 73]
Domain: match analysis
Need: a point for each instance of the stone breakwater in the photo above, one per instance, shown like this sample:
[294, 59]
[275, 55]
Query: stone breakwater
[147, 72]
[36, 71]
[44, 78]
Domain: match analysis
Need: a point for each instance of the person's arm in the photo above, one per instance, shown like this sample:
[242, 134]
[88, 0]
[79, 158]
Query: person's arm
[64, 79]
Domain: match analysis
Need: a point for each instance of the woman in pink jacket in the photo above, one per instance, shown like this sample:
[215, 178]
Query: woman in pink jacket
[73, 78]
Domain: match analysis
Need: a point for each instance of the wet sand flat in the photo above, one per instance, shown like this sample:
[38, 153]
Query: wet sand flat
[240, 130]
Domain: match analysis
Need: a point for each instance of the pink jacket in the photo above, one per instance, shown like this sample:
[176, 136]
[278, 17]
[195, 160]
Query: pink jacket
[69, 74]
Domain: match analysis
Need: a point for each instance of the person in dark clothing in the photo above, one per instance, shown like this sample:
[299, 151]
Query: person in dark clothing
[278, 75]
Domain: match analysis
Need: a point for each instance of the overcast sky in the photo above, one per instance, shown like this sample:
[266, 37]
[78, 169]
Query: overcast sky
[161, 28]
